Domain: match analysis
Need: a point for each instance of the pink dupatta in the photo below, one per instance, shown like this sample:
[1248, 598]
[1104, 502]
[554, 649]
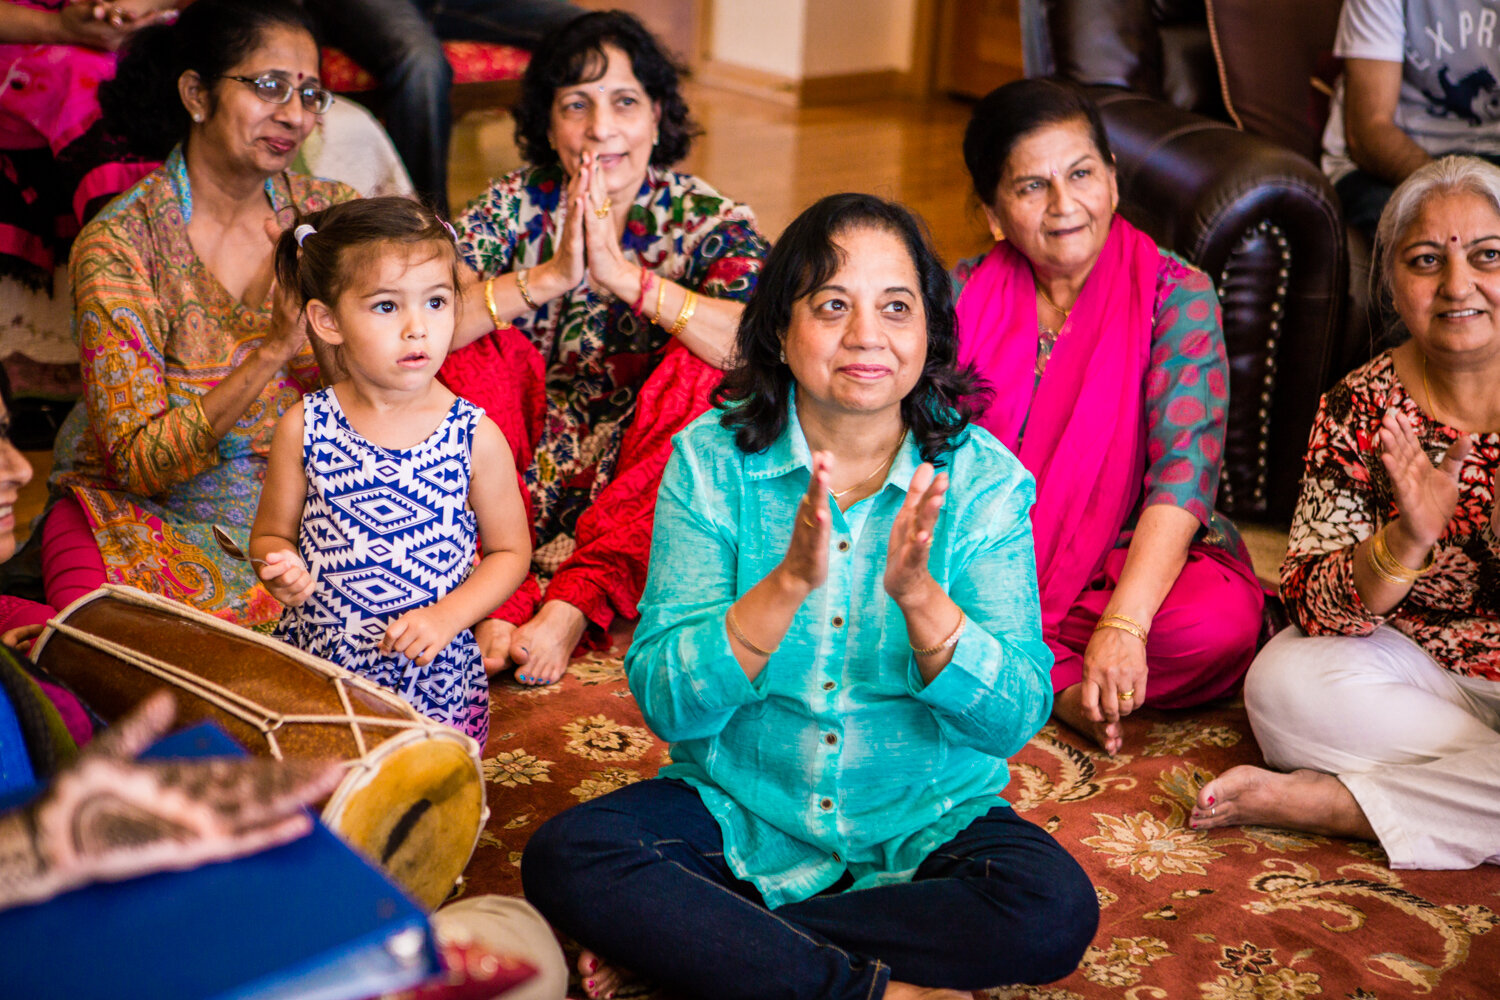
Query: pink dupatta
[1084, 423]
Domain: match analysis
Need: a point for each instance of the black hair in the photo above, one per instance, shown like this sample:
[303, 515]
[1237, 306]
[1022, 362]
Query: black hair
[142, 103]
[938, 408]
[1009, 113]
[574, 53]
[348, 236]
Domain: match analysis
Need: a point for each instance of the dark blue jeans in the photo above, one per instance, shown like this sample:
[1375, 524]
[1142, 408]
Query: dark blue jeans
[639, 877]
[398, 42]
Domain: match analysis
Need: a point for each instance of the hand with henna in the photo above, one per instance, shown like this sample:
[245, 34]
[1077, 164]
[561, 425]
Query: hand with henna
[110, 817]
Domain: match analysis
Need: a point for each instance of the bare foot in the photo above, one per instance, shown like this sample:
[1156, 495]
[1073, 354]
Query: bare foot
[1310, 801]
[542, 647]
[1068, 706]
[906, 991]
[493, 636]
[599, 979]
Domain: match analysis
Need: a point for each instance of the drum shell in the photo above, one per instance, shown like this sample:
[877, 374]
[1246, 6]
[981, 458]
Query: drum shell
[150, 638]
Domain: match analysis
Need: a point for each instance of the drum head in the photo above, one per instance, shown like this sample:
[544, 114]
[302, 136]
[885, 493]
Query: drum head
[415, 807]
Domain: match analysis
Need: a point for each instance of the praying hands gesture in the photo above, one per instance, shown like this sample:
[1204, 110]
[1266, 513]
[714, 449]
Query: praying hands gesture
[588, 247]
[110, 817]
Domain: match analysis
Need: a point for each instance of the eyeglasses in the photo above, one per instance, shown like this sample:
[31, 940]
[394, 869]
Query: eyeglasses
[274, 89]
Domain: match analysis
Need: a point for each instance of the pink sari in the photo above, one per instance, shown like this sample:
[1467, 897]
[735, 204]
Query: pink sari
[1084, 420]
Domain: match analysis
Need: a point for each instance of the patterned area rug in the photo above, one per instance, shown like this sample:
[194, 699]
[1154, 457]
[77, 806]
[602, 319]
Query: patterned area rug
[1230, 914]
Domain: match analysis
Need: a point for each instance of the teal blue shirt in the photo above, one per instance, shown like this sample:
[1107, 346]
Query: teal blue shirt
[838, 756]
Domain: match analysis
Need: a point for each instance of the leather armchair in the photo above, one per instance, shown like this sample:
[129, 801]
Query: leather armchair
[1258, 217]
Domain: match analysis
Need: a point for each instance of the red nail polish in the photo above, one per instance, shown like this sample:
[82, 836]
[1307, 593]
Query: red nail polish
[1210, 800]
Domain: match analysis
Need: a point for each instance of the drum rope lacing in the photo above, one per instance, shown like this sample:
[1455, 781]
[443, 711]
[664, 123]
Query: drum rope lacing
[245, 709]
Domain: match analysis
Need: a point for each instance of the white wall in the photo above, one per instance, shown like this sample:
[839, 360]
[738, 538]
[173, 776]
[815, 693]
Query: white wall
[764, 35]
[813, 38]
[858, 36]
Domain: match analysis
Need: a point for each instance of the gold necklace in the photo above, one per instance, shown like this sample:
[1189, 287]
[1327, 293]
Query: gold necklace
[1059, 309]
[1427, 391]
[880, 468]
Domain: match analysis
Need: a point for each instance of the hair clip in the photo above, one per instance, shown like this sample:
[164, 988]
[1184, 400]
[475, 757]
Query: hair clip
[452, 233]
[302, 232]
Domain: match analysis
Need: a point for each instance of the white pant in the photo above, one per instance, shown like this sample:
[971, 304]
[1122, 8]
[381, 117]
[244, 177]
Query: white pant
[508, 925]
[1417, 745]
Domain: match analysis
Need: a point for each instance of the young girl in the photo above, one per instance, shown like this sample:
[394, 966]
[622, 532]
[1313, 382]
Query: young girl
[375, 486]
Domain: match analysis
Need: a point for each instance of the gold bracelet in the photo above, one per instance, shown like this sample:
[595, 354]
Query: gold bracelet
[947, 643]
[489, 302]
[524, 289]
[1144, 628]
[661, 289]
[1375, 567]
[1122, 626]
[688, 305]
[744, 640]
[1396, 565]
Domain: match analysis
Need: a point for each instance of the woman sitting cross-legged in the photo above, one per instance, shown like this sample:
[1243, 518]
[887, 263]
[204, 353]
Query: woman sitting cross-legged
[840, 636]
[1111, 385]
[1388, 695]
[624, 280]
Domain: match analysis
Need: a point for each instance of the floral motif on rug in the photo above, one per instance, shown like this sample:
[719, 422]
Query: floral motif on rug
[1230, 914]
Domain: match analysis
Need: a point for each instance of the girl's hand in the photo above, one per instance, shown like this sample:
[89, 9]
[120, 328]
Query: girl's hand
[806, 561]
[607, 264]
[906, 570]
[1114, 664]
[20, 637]
[286, 577]
[1426, 495]
[419, 635]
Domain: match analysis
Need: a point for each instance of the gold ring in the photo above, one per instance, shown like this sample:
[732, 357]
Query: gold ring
[1128, 695]
[808, 523]
[602, 212]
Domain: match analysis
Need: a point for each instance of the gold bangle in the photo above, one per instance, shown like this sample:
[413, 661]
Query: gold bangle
[1396, 564]
[1141, 626]
[661, 289]
[1122, 626]
[524, 289]
[688, 305]
[947, 643]
[1388, 567]
[739, 634]
[489, 302]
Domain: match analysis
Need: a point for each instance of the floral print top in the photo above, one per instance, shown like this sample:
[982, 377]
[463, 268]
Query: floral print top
[1187, 399]
[597, 352]
[1453, 612]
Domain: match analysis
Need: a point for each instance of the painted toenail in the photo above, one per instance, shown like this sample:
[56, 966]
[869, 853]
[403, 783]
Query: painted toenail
[589, 984]
[1210, 800]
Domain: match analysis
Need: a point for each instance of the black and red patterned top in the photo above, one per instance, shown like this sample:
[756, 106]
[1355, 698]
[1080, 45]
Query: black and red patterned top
[1454, 611]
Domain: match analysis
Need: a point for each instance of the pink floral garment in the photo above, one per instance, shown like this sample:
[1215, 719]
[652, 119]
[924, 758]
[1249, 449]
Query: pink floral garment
[1454, 611]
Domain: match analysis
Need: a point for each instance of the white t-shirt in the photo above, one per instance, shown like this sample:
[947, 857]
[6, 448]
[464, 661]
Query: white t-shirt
[1450, 56]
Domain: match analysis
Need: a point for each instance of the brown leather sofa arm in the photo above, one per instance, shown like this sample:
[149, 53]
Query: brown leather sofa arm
[1264, 223]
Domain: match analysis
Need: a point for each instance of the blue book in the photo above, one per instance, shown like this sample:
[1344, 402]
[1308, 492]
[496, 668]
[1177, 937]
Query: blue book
[311, 919]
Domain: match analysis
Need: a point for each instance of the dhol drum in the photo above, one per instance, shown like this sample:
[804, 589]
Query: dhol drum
[413, 799]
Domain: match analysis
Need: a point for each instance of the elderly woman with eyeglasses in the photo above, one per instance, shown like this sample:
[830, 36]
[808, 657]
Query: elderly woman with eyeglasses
[189, 356]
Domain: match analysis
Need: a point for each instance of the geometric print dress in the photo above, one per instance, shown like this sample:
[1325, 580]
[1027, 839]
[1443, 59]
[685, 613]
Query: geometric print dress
[384, 532]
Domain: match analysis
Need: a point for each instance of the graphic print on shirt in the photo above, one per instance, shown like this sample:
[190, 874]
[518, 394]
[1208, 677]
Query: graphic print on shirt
[386, 532]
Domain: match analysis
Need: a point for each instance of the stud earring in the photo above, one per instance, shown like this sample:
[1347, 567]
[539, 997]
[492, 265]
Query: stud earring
[998, 234]
[783, 355]
[197, 116]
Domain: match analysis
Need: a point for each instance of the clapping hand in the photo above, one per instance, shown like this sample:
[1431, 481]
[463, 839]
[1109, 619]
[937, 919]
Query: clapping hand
[1426, 495]
[806, 559]
[906, 560]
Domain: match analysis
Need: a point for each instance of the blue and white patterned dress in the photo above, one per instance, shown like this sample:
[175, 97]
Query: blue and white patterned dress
[385, 532]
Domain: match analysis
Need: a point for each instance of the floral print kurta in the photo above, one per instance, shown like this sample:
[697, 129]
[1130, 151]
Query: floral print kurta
[156, 332]
[1453, 612]
[597, 352]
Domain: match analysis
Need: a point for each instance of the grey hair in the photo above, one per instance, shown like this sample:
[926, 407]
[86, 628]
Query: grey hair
[1449, 175]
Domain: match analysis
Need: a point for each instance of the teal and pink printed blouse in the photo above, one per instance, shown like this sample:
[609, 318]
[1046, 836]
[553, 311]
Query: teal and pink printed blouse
[1186, 395]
